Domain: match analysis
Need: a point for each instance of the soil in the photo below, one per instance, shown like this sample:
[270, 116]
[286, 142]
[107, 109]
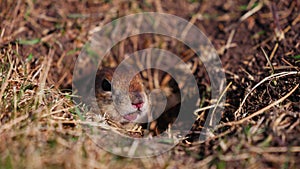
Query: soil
[59, 29]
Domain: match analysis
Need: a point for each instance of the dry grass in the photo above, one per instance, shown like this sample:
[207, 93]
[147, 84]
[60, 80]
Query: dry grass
[40, 125]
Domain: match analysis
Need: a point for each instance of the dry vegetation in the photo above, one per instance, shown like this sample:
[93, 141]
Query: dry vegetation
[257, 41]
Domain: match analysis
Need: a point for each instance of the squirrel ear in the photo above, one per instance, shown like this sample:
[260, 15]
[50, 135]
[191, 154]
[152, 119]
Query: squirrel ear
[106, 85]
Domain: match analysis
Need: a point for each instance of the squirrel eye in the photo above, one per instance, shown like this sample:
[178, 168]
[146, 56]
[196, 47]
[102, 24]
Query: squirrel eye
[106, 86]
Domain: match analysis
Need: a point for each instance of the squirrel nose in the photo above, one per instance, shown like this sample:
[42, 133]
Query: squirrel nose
[137, 100]
[138, 105]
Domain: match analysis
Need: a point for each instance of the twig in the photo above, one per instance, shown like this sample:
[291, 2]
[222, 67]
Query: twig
[16, 9]
[234, 157]
[294, 149]
[251, 12]
[281, 74]
[203, 163]
[218, 102]
[280, 67]
[189, 25]
[13, 122]
[214, 137]
[273, 51]
[5, 83]
[206, 108]
[259, 111]
[158, 6]
[278, 31]
[269, 62]
[43, 76]
[58, 111]
[228, 43]
[287, 62]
